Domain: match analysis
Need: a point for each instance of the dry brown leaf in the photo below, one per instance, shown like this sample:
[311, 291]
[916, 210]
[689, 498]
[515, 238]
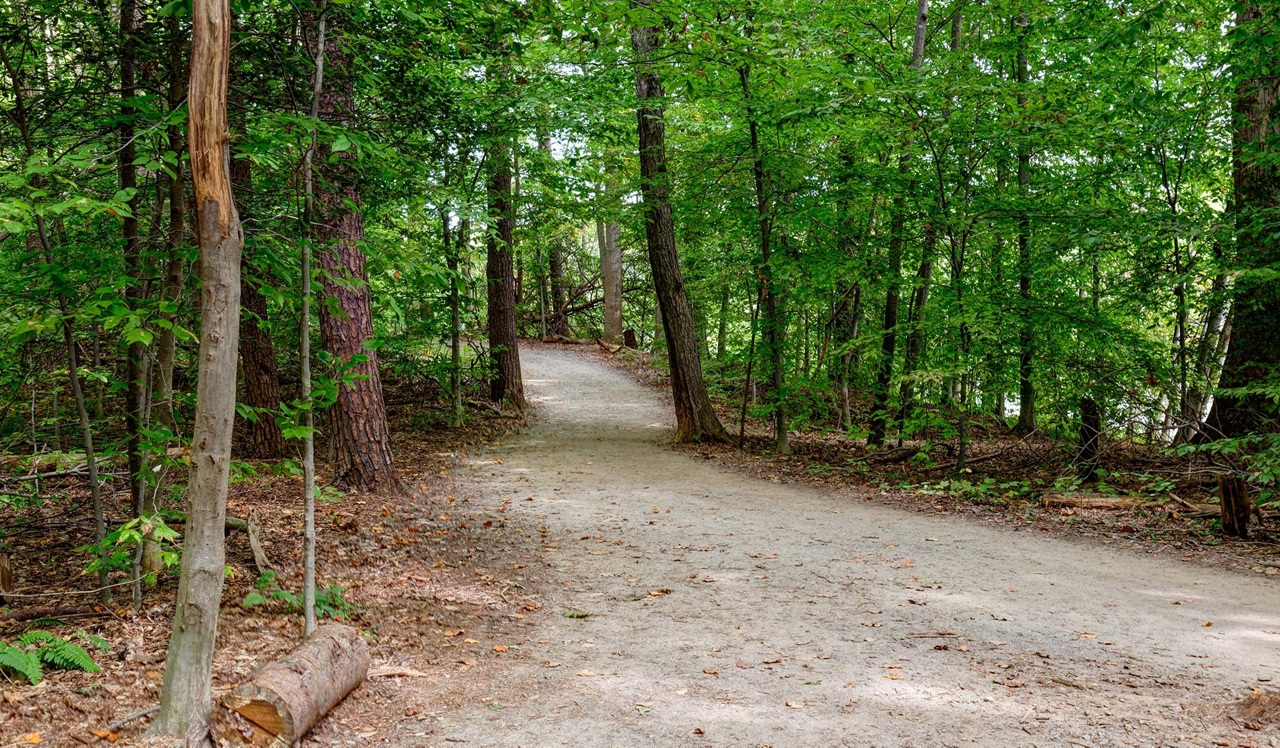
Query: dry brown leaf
[796, 704]
[893, 676]
[33, 738]
[659, 592]
[711, 671]
[454, 633]
[773, 661]
[471, 641]
[1207, 624]
[500, 648]
[745, 665]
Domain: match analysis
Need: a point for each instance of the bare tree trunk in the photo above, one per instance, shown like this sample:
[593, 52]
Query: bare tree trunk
[507, 385]
[362, 438]
[185, 697]
[695, 418]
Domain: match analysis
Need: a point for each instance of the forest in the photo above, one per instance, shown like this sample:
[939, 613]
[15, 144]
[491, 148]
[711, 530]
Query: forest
[990, 249]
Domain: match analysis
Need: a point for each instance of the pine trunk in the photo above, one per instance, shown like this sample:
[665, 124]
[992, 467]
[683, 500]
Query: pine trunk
[362, 438]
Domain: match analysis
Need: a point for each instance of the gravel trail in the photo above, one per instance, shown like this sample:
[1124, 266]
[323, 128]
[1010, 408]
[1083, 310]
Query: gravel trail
[733, 611]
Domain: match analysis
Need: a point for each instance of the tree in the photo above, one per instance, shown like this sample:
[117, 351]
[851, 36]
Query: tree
[185, 697]
[695, 418]
[362, 438]
[506, 385]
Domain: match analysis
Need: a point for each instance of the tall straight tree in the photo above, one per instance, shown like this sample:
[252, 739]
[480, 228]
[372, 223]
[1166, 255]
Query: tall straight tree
[695, 418]
[362, 449]
[135, 376]
[608, 233]
[880, 418]
[506, 386]
[1026, 335]
[185, 697]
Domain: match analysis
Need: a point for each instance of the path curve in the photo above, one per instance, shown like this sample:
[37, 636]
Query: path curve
[733, 611]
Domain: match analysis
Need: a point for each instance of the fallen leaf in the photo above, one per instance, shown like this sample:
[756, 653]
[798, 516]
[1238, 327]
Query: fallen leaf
[893, 676]
[33, 738]
[1207, 624]
[500, 648]
[710, 671]
[576, 614]
[698, 731]
[471, 641]
[773, 661]
[454, 633]
[1087, 635]
[110, 736]
[659, 592]
[584, 673]
[796, 704]
[745, 665]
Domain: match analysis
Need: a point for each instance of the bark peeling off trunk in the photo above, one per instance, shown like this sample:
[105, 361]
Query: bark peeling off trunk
[185, 698]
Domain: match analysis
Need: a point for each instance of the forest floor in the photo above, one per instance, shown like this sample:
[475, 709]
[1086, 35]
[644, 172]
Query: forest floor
[583, 583]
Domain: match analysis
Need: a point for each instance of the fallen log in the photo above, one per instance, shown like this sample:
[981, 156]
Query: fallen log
[48, 611]
[286, 698]
[1090, 501]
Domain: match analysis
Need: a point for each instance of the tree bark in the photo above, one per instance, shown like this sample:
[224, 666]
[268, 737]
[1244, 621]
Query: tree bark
[1254, 350]
[607, 235]
[286, 698]
[1090, 439]
[257, 350]
[695, 418]
[504, 348]
[185, 697]
[362, 438]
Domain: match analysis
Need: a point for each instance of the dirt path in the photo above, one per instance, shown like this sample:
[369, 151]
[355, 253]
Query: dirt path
[731, 611]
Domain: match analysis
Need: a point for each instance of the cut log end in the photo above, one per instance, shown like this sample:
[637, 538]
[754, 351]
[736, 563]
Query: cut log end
[287, 697]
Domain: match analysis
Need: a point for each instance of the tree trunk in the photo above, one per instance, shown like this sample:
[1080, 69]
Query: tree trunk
[185, 698]
[135, 384]
[507, 386]
[362, 438]
[257, 350]
[1090, 439]
[915, 323]
[695, 418]
[722, 328]
[771, 321]
[880, 418]
[1254, 351]
[451, 255]
[1026, 337]
[555, 262]
[1236, 507]
[607, 235]
[174, 278]
[286, 698]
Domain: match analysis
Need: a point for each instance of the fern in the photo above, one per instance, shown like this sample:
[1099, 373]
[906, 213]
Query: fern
[58, 652]
[23, 663]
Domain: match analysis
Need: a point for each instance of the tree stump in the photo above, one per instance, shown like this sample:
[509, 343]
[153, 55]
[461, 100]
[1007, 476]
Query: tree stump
[1234, 494]
[629, 339]
[286, 698]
